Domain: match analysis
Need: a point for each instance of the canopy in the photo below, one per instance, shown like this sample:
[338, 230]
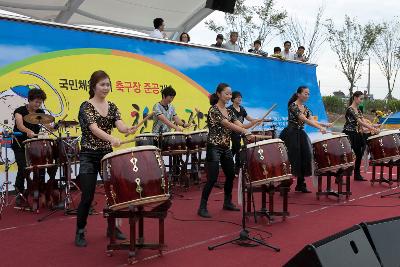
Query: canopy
[394, 119]
[179, 16]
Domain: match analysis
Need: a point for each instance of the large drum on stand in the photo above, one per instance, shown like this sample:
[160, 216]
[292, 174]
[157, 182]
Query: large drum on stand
[40, 152]
[134, 176]
[173, 143]
[67, 149]
[384, 146]
[267, 162]
[197, 140]
[333, 153]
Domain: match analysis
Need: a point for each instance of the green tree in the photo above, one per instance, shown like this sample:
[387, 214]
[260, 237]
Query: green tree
[351, 44]
[252, 22]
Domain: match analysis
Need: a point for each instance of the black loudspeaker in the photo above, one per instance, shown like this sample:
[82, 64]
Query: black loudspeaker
[384, 236]
[349, 248]
[222, 5]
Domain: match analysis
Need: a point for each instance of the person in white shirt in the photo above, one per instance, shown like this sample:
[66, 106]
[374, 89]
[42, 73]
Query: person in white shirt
[232, 43]
[286, 54]
[159, 26]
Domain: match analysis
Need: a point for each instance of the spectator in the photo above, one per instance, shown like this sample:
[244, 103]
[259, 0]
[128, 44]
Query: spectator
[232, 43]
[184, 38]
[299, 56]
[277, 53]
[159, 26]
[286, 54]
[220, 39]
[257, 49]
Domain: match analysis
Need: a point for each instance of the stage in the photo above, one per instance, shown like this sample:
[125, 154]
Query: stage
[25, 241]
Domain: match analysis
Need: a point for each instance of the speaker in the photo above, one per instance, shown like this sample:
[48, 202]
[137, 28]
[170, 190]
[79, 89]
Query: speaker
[347, 248]
[222, 5]
[384, 236]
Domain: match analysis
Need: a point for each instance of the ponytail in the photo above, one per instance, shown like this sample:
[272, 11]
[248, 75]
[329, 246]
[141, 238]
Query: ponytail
[292, 99]
[213, 99]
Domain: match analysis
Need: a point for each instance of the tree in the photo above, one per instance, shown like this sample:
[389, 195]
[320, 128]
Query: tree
[297, 32]
[386, 50]
[252, 22]
[351, 44]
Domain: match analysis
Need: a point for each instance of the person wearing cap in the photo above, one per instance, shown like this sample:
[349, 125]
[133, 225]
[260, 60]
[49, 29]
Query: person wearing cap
[220, 39]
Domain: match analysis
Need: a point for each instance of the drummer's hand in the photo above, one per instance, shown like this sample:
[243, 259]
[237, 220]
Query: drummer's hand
[30, 134]
[329, 125]
[376, 131]
[178, 129]
[322, 130]
[257, 121]
[115, 142]
[186, 125]
[132, 129]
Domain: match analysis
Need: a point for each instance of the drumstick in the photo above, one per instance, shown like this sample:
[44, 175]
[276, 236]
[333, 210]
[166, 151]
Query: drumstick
[141, 122]
[266, 114]
[337, 119]
[388, 116]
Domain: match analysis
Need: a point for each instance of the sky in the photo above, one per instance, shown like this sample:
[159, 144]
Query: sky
[328, 71]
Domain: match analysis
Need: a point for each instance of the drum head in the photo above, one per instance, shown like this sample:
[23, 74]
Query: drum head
[197, 132]
[129, 150]
[329, 137]
[384, 133]
[147, 135]
[172, 133]
[265, 142]
[37, 139]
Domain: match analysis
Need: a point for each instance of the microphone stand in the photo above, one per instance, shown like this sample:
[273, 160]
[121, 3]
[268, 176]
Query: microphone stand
[244, 237]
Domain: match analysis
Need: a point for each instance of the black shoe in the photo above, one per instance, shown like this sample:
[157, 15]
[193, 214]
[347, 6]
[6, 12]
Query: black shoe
[203, 212]
[302, 189]
[228, 205]
[118, 233]
[358, 177]
[80, 240]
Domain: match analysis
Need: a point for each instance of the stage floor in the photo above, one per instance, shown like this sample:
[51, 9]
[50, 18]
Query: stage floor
[25, 241]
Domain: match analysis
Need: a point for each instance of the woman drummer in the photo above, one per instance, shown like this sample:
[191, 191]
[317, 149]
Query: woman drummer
[353, 126]
[296, 140]
[221, 122]
[97, 117]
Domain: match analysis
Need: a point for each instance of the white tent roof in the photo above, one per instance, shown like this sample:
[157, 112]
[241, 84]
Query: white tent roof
[179, 15]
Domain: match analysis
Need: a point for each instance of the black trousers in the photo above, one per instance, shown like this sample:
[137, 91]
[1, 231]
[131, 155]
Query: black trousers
[214, 156]
[236, 145]
[20, 159]
[88, 170]
[357, 141]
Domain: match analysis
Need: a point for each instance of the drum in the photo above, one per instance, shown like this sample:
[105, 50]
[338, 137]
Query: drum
[384, 146]
[173, 142]
[68, 147]
[134, 176]
[333, 153]
[267, 162]
[147, 139]
[39, 152]
[267, 132]
[196, 140]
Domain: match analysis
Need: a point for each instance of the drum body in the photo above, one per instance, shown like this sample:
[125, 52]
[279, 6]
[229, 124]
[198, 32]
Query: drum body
[68, 147]
[197, 140]
[134, 176]
[147, 139]
[384, 146]
[40, 152]
[173, 142]
[267, 162]
[333, 153]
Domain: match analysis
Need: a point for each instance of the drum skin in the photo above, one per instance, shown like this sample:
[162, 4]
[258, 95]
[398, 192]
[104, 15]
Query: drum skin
[267, 132]
[134, 176]
[384, 147]
[196, 140]
[332, 154]
[147, 140]
[173, 141]
[39, 152]
[267, 162]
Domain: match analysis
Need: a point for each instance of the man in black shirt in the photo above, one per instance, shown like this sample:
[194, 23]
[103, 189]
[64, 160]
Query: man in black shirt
[240, 114]
[28, 130]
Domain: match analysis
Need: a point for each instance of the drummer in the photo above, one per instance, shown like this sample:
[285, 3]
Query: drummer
[165, 114]
[241, 114]
[353, 127]
[97, 117]
[221, 122]
[296, 140]
[36, 97]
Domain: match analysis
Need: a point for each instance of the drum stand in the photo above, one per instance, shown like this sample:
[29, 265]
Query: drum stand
[244, 237]
[64, 169]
